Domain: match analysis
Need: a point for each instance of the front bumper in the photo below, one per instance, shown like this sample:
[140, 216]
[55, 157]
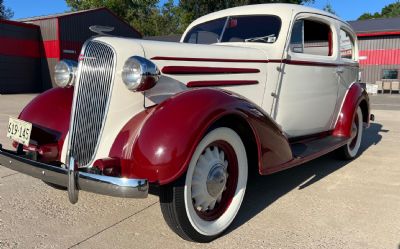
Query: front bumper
[73, 179]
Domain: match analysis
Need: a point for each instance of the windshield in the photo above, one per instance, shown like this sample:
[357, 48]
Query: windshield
[263, 29]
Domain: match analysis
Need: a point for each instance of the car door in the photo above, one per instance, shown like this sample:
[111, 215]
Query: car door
[348, 71]
[307, 94]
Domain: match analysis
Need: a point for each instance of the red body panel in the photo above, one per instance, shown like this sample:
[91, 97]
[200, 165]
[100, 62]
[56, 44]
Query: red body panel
[207, 70]
[354, 96]
[50, 115]
[157, 144]
[209, 83]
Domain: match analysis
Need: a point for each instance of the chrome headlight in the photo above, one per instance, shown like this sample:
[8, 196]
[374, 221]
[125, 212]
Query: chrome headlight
[65, 72]
[140, 74]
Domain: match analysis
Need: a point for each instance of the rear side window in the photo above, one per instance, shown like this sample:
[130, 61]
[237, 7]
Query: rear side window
[206, 33]
[311, 37]
[346, 45]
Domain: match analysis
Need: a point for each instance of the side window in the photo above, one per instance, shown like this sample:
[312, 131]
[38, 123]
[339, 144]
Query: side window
[346, 45]
[311, 37]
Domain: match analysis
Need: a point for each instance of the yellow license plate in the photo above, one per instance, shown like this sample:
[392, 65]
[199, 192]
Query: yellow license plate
[19, 131]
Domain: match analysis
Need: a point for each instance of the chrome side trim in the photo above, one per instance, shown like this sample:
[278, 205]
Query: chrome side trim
[99, 184]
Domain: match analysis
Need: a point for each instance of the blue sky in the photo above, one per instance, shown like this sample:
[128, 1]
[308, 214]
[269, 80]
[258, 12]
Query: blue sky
[346, 9]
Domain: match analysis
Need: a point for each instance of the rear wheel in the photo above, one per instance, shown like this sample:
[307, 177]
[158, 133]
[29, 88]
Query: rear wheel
[352, 148]
[204, 202]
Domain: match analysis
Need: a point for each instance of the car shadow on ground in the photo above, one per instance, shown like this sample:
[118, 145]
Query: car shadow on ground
[262, 191]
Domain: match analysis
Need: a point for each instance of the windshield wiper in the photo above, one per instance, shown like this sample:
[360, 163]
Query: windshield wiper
[267, 39]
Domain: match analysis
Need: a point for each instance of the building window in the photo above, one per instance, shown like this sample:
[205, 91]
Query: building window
[311, 37]
[346, 45]
[390, 74]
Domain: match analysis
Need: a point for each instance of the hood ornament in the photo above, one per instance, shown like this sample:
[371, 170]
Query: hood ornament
[101, 30]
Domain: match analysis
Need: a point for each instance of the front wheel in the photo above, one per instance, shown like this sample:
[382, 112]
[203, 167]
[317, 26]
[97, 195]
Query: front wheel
[204, 202]
[351, 149]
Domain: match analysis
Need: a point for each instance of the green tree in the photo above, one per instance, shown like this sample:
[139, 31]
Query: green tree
[135, 12]
[196, 8]
[391, 10]
[169, 19]
[5, 13]
[328, 8]
[152, 19]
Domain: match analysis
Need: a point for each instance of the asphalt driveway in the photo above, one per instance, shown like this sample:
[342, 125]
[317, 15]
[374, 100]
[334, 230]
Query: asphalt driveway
[323, 204]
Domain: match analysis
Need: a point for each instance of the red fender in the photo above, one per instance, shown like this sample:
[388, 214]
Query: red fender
[50, 114]
[157, 144]
[356, 96]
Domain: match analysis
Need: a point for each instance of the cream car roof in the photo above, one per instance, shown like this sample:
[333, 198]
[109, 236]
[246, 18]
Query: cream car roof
[284, 11]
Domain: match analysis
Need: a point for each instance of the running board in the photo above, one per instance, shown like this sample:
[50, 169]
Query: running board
[317, 147]
[309, 149]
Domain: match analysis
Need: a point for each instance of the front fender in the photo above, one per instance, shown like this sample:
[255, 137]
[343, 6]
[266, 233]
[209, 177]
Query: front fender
[49, 114]
[356, 96]
[157, 144]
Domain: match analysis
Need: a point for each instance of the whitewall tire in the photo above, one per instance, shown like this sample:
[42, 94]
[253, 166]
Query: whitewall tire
[204, 202]
[352, 148]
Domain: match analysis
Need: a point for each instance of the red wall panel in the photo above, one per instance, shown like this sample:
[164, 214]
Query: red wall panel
[51, 49]
[381, 57]
[19, 47]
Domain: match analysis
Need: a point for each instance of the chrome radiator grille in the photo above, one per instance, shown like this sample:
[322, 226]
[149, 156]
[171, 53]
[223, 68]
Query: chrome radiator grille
[93, 90]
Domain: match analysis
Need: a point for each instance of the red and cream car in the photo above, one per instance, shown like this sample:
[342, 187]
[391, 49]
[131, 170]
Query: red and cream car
[255, 88]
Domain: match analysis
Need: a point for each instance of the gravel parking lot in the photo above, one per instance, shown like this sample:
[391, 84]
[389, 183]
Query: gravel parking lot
[323, 204]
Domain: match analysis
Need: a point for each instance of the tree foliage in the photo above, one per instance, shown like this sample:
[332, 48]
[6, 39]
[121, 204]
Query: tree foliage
[135, 12]
[391, 10]
[151, 18]
[329, 8]
[197, 8]
[5, 13]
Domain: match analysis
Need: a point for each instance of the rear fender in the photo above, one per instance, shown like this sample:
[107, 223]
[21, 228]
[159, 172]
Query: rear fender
[356, 96]
[157, 144]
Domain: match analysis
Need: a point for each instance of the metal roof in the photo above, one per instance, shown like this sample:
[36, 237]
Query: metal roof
[376, 25]
[35, 18]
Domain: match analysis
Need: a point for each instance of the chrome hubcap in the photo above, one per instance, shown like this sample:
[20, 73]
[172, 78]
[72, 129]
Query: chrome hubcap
[209, 179]
[216, 180]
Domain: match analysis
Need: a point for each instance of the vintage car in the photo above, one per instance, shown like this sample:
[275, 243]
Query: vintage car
[254, 88]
